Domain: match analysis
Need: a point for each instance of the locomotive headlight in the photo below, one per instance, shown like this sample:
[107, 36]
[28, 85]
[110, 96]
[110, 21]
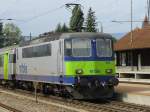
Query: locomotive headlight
[109, 71]
[79, 71]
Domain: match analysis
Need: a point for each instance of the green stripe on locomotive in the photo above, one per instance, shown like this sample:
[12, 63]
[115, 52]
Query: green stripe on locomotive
[90, 67]
[6, 61]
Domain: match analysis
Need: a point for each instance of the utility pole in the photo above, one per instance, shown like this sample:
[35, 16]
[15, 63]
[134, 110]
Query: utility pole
[131, 34]
[101, 26]
[148, 10]
[30, 36]
[132, 66]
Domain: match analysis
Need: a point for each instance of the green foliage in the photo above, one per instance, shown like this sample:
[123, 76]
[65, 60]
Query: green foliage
[62, 29]
[65, 28]
[1, 28]
[114, 39]
[1, 41]
[1, 35]
[77, 19]
[11, 34]
[58, 28]
[91, 23]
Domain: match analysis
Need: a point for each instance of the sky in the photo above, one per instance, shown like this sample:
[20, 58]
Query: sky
[39, 16]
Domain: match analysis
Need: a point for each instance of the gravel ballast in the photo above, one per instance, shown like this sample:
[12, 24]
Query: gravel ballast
[27, 105]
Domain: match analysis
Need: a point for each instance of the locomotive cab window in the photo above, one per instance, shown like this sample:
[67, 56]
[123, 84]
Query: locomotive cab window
[104, 47]
[81, 47]
[78, 47]
[68, 48]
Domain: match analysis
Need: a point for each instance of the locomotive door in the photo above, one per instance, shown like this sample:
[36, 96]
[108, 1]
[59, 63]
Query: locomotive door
[6, 66]
[60, 60]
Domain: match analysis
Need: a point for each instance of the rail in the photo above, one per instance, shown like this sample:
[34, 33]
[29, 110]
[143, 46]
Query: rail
[89, 106]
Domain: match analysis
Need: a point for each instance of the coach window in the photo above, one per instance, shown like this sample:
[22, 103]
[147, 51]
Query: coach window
[1, 61]
[12, 58]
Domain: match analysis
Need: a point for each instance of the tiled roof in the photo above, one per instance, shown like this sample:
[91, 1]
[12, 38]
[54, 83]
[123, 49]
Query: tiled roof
[141, 39]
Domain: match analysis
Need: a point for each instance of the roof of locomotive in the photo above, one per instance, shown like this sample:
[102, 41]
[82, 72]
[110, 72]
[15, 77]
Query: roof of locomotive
[84, 35]
[57, 36]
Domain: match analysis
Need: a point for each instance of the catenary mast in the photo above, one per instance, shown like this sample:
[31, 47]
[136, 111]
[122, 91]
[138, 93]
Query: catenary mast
[148, 9]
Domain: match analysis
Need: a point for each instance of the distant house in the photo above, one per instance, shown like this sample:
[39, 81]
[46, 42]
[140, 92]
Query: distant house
[133, 57]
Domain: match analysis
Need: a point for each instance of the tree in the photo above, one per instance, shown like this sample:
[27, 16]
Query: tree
[114, 39]
[77, 19]
[1, 28]
[64, 28]
[12, 34]
[1, 35]
[58, 28]
[61, 28]
[91, 23]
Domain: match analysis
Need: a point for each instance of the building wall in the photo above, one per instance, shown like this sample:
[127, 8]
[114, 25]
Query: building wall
[123, 58]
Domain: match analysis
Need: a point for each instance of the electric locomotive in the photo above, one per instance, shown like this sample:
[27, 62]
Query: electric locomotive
[80, 65]
[89, 60]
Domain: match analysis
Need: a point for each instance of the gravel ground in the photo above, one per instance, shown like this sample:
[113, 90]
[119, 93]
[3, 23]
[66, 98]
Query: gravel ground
[27, 105]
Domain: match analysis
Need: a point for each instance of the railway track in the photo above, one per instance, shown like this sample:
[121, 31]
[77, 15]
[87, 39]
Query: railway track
[111, 106]
[8, 108]
[89, 106]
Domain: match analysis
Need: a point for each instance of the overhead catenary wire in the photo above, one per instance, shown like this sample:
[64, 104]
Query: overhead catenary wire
[47, 12]
[43, 14]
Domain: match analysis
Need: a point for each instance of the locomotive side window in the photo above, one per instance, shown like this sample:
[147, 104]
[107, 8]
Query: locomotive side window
[68, 48]
[104, 47]
[27, 52]
[81, 47]
[37, 51]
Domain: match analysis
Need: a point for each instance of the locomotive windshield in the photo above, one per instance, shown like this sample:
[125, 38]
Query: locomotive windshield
[78, 47]
[81, 47]
[104, 47]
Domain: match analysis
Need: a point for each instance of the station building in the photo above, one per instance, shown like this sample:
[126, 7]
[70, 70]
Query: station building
[133, 59]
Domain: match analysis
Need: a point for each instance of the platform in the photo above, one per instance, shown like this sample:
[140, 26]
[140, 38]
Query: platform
[131, 80]
[134, 93]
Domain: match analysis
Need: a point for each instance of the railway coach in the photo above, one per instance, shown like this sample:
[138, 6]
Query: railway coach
[80, 65]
